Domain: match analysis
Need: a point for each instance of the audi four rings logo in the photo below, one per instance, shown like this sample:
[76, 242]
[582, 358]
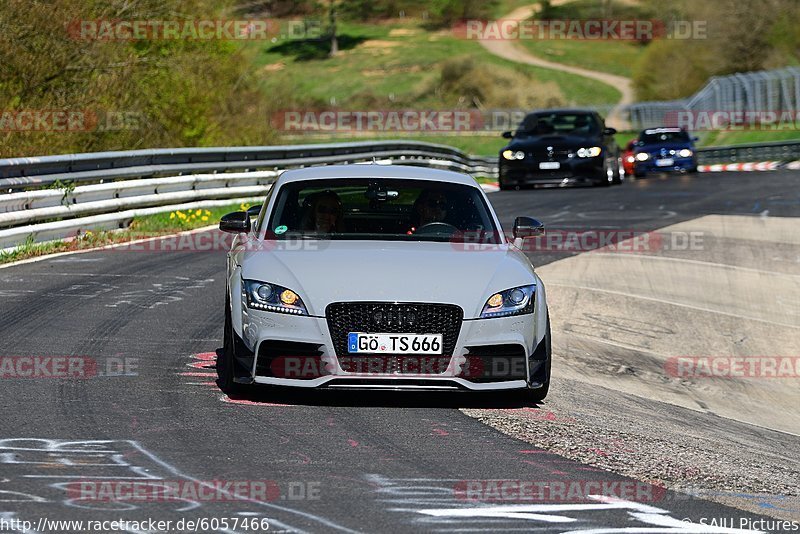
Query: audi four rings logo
[393, 317]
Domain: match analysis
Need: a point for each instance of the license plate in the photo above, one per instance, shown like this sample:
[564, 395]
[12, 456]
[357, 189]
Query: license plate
[549, 165]
[394, 343]
[665, 162]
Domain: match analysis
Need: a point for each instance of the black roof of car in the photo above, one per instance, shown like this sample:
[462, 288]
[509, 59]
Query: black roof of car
[562, 111]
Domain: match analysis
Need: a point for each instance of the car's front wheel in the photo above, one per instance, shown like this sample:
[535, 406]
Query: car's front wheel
[226, 358]
[543, 374]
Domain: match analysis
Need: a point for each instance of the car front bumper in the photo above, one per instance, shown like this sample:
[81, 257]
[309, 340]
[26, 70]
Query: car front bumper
[570, 172]
[297, 351]
[678, 165]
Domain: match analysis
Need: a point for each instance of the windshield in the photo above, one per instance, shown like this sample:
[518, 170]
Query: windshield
[539, 124]
[363, 208]
[664, 137]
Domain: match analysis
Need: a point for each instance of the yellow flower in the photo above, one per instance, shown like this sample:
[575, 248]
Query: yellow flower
[208, 212]
[181, 215]
[172, 215]
[198, 213]
[204, 219]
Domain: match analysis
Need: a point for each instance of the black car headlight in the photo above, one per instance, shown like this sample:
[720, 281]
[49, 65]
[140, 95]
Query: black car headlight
[272, 297]
[512, 155]
[514, 301]
[591, 152]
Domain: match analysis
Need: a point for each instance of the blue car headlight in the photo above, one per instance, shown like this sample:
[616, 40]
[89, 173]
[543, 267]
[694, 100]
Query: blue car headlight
[514, 301]
[685, 153]
[271, 297]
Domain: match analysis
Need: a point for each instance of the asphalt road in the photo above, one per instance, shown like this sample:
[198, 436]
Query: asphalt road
[333, 461]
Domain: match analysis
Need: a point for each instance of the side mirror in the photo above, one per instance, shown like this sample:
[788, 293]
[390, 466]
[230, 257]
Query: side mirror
[235, 223]
[253, 211]
[527, 227]
[507, 135]
[609, 131]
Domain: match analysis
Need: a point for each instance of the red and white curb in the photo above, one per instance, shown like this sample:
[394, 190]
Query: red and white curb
[491, 187]
[748, 167]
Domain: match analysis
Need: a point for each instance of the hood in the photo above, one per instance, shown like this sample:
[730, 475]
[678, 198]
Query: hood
[341, 271]
[555, 141]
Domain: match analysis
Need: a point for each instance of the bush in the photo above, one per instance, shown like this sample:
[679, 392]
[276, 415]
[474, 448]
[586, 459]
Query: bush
[465, 83]
[167, 93]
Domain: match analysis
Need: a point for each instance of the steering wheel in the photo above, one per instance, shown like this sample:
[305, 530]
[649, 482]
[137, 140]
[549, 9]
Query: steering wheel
[436, 228]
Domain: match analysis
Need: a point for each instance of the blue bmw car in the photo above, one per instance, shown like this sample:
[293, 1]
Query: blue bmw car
[664, 149]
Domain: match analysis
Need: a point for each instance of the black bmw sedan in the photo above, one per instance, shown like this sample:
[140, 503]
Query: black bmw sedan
[560, 147]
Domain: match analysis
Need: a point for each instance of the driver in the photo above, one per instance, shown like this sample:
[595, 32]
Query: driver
[323, 213]
[430, 207]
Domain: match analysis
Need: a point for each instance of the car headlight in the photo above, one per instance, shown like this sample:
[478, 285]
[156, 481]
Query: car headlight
[514, 301]
[512, 155]
[591, 152]
[685, 153]
[642, 156]
[272, 297]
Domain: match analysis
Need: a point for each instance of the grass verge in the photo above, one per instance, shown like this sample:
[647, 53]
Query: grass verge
[142, 227]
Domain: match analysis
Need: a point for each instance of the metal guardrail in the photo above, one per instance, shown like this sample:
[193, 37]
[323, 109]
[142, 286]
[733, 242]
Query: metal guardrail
[119, 185]
[778, 151]
[108, 189]
[36, 172]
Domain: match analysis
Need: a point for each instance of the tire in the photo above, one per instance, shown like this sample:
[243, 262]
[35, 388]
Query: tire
[617, 177]
[226, 359]
[538, 395]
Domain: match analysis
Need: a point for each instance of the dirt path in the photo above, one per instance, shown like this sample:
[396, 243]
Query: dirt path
[511, 51]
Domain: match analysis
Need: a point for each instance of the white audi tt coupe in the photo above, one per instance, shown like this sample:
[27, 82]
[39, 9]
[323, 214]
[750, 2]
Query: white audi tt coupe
[382, 277]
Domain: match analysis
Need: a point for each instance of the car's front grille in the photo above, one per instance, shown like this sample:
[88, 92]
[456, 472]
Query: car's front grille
[495, 363]
[556, 155]
[393, 318]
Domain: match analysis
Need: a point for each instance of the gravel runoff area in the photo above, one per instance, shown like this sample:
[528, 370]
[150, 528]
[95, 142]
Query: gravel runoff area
[723, 460]
[618, 318]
